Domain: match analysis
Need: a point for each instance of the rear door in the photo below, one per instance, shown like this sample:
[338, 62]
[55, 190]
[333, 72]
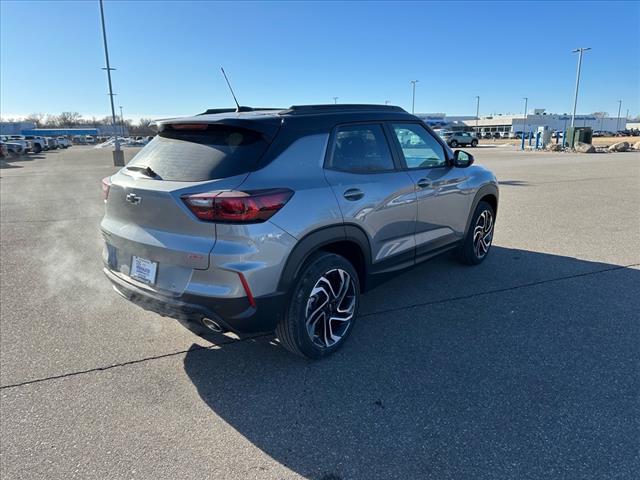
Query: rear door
[145, 215]
[442, 196]
[373, 192]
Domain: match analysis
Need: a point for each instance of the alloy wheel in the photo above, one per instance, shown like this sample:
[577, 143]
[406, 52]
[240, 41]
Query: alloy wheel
[330, 308]
[483, 234]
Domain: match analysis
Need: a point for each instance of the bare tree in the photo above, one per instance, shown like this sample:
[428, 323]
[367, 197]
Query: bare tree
[69, 119]
[144, 122]
[36, 118]
[142, 128]
[49, 121]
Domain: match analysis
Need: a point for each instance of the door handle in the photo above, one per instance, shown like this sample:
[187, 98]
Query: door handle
[353, 194]
[423, 183]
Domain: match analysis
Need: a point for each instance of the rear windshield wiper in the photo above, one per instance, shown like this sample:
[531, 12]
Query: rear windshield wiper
[145, 170]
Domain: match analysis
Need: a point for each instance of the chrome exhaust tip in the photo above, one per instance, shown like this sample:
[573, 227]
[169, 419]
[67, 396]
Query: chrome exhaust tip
[212, 325]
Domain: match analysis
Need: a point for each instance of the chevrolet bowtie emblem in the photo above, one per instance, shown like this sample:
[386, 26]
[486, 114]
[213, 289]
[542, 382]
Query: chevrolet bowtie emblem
[133, 198]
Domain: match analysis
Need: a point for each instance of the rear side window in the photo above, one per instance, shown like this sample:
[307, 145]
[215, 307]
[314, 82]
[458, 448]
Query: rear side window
[204, 152]
[361, 149]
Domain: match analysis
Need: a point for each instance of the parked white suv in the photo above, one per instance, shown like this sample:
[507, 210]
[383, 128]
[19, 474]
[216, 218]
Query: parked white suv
[63, 142]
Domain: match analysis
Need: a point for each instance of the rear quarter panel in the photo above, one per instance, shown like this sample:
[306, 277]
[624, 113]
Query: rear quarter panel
[300, 168]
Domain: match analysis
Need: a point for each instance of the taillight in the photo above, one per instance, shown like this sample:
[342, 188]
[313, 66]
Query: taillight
[238, 207]
[106, 185]
[189, 126]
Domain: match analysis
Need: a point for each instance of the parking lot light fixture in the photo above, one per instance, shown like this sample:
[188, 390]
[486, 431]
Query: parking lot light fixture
[335, 99]
[575, 96]
[477, 111]
[413, 98]
[118, 156]
[524, 122]
[618, 120]
[122, 120]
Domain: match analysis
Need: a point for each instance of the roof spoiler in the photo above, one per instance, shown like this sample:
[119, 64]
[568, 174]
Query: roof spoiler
[213, 111]
[340, 107]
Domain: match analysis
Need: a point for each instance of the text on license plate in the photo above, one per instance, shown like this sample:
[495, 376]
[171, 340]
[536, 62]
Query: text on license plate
[143, 270]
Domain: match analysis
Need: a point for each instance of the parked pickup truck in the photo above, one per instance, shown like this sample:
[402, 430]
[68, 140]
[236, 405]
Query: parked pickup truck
[38, 144]
[13, 148]
[52, 143]
[25, 145]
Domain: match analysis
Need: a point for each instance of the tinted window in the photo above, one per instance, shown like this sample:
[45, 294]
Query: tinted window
[218, 151]
[419, 147]
[362, 149]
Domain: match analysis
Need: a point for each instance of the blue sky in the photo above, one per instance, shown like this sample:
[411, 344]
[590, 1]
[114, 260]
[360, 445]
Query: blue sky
[168, 53]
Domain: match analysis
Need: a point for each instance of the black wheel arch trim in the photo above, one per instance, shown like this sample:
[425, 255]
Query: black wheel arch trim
[314, 241]
[485, 190]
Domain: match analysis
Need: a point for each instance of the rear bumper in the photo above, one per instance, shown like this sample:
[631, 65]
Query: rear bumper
[235, 314]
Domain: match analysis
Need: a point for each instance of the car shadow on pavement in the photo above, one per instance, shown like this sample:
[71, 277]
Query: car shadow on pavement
[523, 367]
[11, 161]
[514, 183]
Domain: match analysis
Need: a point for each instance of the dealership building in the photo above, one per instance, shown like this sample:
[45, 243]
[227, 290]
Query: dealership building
[513, 124]
[29, 128]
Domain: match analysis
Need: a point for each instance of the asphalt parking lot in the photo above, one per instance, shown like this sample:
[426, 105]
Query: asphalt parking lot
[527, 366]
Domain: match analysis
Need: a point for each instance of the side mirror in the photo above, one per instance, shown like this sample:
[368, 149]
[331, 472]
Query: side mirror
[462, 159]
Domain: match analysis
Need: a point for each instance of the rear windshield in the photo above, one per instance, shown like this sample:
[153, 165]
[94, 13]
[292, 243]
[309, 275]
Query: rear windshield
[217, 151]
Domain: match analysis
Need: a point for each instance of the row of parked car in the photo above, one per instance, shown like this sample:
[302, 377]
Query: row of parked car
[14, 145]
[464, 139]
[631, 132]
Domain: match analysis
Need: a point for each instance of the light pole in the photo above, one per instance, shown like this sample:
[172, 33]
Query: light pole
[524, 121]
[335, 99]
[386, 102]
[618, 121]
[575, 97]
[122, 121]
[477, 112]
[118, 155]
[413, 98]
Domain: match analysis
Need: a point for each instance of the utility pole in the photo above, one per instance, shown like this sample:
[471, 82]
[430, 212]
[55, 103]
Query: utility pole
[618, 121]
[413, 100]
[477, 113]
[122, 121]
[575, 97]
[335, 99]
[118, 155]
[524, 126]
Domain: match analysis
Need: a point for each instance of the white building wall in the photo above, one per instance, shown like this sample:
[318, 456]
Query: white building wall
[15, 128]
[553, 122]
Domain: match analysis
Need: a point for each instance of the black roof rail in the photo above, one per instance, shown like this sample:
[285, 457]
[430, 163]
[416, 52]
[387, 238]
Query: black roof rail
[211, 111]
[342, 107]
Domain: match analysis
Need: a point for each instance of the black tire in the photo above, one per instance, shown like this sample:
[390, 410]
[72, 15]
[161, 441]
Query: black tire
[453, 144]
[474, 143]
[470, 252]
[292, 328]
[37, 148]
